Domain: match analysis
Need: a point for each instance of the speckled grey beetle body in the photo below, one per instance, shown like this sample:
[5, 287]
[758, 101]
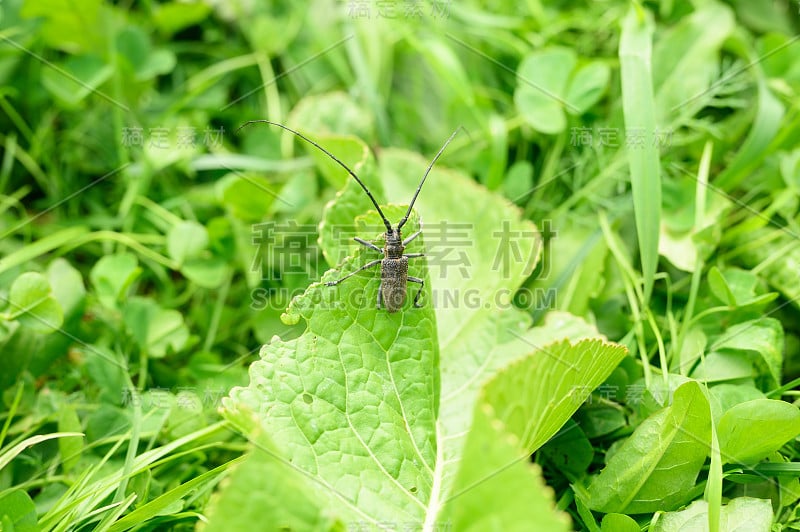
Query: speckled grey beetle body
[394, 264]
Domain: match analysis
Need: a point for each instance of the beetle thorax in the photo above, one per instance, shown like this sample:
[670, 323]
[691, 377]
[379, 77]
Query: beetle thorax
[393, 249]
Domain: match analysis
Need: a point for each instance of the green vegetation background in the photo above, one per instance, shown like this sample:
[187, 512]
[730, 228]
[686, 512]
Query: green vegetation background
[654, 146]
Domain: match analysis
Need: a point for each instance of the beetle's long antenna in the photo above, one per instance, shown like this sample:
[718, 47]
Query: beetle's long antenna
[329, 154]
[411, 205]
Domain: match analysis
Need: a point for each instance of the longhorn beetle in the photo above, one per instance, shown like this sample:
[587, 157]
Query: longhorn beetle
[394, 264]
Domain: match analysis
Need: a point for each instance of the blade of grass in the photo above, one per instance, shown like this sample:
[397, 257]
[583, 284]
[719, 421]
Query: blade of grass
[638, 106]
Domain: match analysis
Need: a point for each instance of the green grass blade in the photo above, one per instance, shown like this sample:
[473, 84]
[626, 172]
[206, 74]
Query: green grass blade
[638, 106]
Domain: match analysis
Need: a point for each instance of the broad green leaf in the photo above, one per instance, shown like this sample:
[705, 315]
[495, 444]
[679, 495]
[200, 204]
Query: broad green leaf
[557, 378]
[763, 336]
[108, 371]
[643, 160]
[774, 423]
[657, 465]
[271, 33]
[186, 240]
[541, 85]
[18, 511]
[598, 419]
[112, 275]
[742, 514]
[355, 398]
[31, 302]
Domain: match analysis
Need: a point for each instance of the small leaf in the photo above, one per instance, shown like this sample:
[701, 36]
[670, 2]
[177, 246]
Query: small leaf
[723, 397]
[18, 511]
[186, 240]
[32, 303]
[720, 288]
[351, 150]
[156, 330]
[171, 17]
[618, 523]
[67, 285]
[206, 272]
[247, 196]
[112, 275]
[518, 181]
[167, 332]
[740, 514]
[763, 336]
[541, 85]
[69, 447]
[774, 423]
[69, 25]
[587, 86]
[84, 74]
[569, 451]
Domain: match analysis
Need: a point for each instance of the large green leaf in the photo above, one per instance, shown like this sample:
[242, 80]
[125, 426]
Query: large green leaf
[353, 402]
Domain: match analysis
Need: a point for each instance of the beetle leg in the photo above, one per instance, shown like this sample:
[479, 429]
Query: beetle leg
[412, 237]
[380, 294]
[419, 292]
[413, 255]
[364, 267]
